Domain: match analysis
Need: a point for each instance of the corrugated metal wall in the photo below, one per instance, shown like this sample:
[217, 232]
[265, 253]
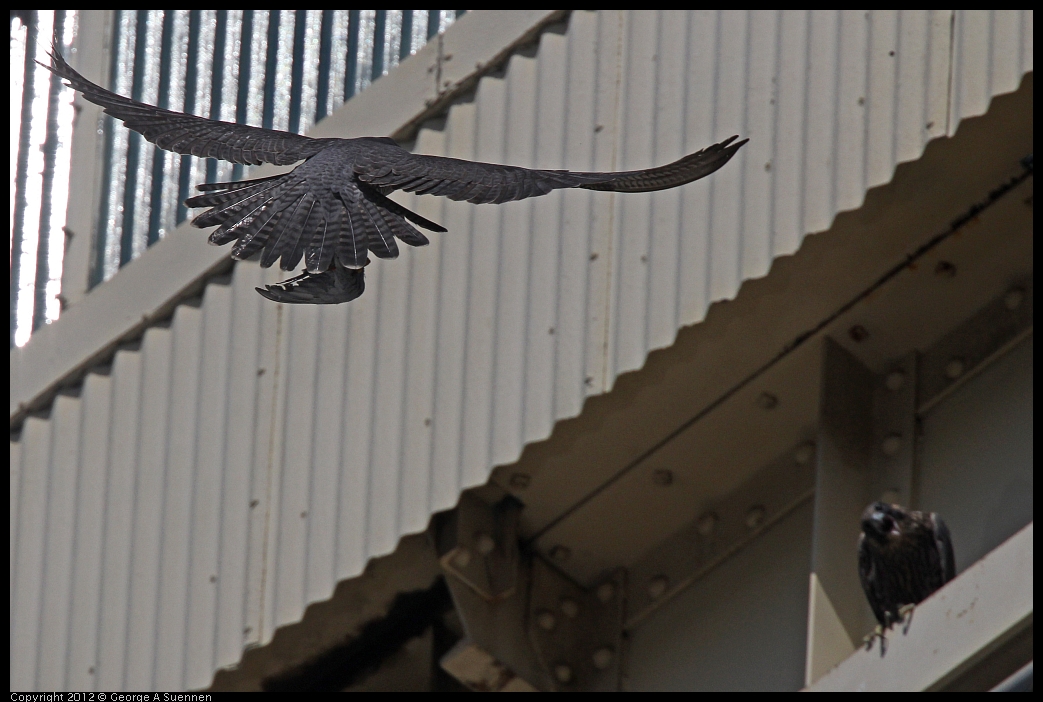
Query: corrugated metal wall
[237, 463]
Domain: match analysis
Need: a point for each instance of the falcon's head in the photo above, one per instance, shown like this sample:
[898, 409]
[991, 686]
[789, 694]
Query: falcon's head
[883, 523]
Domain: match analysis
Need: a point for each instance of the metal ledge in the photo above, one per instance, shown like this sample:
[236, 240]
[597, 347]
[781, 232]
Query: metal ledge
[955, 631]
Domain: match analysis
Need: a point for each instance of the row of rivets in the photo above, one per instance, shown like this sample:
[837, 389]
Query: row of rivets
[547, 620]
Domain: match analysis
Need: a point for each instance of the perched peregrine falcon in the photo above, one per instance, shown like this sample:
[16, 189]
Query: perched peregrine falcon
[903, 557]
[332, 210]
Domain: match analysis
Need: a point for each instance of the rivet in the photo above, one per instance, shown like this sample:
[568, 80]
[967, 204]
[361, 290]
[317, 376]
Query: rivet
[767, 401]
[462, 558]
[560, 553]
[484, 544]
[945, 269]
[706, 524]
[605, 592]
[954, 368]
[1013, 299]
[569, 607]
[858, 333]
[755, 516]
[546, 620]
[804, 453]
[891, 444]
[662, 477]
[657, 586]
[563, 673]
[602, 658]
[520, 480]
[895, 380]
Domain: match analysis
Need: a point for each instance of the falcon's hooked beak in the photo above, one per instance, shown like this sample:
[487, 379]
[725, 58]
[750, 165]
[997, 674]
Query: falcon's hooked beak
[878, 523]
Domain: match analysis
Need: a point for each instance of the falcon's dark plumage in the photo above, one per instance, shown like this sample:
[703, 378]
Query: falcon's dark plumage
[332, 210]
[903, 557]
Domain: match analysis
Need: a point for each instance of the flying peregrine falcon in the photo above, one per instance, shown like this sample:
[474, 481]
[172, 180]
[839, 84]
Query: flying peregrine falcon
[332, 210]
[903, 557]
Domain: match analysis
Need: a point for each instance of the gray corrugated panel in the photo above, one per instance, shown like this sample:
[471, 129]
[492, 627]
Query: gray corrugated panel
[143, 602]
[119, 502]
[28, 511]
[88, 544]
[56, 590]
[248, 456]
[1004, 41]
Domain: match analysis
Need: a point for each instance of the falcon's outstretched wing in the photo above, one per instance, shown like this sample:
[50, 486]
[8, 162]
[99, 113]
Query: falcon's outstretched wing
[493, 183]
[189, 134]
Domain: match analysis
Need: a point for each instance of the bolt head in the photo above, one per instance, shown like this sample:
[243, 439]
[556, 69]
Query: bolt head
[891, 445]
[755, 516]
[895, 380]
[605, 592]
[560, 553]
[462, 557]
[945, 269]
[484, 544]
[563, 673]
[954, 368]
[657, 586]
[520, 481]
[1013, 299]
[546, 620]
[804, 453]
[767, 401]
[602, 657]
[706, 524]
[858, 333]
[569, 607]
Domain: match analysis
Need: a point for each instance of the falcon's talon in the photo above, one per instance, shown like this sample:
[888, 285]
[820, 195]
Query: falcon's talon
[330, 287]
[878, 633]
[905, 614]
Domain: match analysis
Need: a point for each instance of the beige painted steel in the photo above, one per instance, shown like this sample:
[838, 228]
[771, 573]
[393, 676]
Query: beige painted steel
[752, 636]
[244, 457]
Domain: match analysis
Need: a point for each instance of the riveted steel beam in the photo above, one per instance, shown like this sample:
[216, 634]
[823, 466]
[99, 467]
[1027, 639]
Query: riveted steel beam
[720, 530]
[527, 626]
